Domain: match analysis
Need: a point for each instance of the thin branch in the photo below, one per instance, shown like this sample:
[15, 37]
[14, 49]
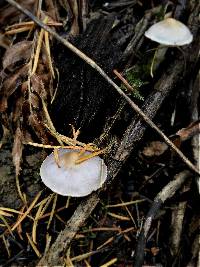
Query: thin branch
[108, 79]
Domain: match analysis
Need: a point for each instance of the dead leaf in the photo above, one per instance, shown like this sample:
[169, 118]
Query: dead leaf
[17, 52]
[17, 150]
[190, 131]
[17, 111]
[52, 11]
[155, 251]
[38, 85]
[34, 101]
[10, 85]
[11, 14]
[75, 15]
[39, 128]
[155, 148]
[4, 41]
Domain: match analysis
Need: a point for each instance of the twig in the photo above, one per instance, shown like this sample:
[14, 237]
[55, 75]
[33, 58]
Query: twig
[167, 192]
[125, 82]
[177, 217]
[108, 79]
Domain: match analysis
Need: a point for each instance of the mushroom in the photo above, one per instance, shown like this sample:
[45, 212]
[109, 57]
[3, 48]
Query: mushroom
[71, 179]
[170, 32]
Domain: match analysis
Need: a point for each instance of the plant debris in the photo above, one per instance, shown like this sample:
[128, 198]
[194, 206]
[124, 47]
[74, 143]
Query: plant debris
[72, 96]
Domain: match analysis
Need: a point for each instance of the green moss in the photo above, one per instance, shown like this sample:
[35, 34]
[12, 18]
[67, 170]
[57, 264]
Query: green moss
[133, 77]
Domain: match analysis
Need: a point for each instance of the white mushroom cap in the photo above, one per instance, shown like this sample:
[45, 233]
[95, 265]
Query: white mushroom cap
[72, 179]
[170, 32]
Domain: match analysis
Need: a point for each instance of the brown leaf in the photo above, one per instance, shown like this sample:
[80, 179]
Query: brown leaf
[190, 131]
[11, 14]
[17, 150]
[4, 41]
[39, 128]
[10, 85]
[17, 52]
[75, 15]
[155, 251]
[38, 85]
[34, 100]
[52, 11]
[17, 110]
[155, 148]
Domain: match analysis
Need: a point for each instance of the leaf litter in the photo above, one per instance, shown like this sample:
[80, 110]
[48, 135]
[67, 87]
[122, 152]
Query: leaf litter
[28, 76]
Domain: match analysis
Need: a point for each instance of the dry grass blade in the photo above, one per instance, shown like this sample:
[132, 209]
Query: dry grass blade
[115, 229]
[130, 215]
[3, 213]
[86, 157]
[71, 141]
[52, 147]
[49, 213]
[38, 49]
[109, 263]
[19, 227]
[31, 23]
[21, 29]
[106, 243]
[60, 219]
[56, 157]
[56, 89]
[6, 224]
[37, 216]
[67, 202]
[87, 263]
[27, 212]
[49, 121]
[125, 203]
[49, 199]
[33, 246]
[6, 245]
[10, 210]
[20, 24]
[83, 256]
[52, 211]
[117, 216]
[19, 189]
[46, 38]
[67, 260]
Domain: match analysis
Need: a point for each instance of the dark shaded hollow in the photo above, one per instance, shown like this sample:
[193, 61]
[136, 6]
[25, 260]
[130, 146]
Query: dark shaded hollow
[84, 99]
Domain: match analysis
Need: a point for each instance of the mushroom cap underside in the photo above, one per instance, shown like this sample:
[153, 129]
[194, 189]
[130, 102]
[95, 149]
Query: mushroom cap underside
[170, 32]
[77, 180]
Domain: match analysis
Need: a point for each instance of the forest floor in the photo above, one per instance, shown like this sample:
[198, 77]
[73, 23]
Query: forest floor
[146, 122]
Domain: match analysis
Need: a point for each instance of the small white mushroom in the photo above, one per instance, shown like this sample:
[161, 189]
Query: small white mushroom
[170, 32]
[71, 179]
